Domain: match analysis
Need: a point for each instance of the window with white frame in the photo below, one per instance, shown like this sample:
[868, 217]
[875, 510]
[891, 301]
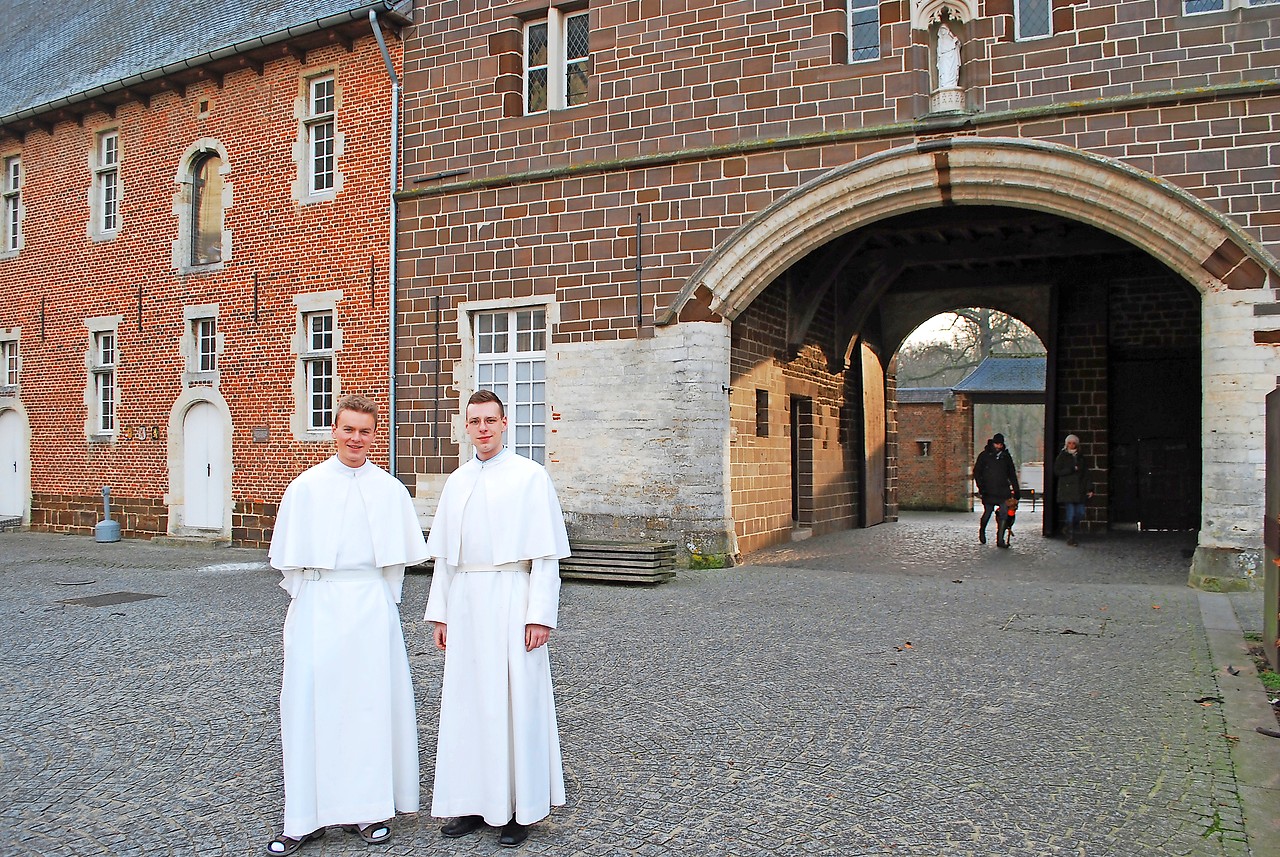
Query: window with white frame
[864, 30]
[106, 183]
[204, 336]
[317, 363]
[11, 188]
[321, 135]
[1032, 19]
[9, 363]
[104, 381]
[557, 61]
[1197, 7]
[206, 209]
[511, 361]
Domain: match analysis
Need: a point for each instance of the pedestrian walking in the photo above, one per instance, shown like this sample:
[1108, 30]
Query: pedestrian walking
[1075, 485]
[497, 538]
[997, 479]
[344, 533]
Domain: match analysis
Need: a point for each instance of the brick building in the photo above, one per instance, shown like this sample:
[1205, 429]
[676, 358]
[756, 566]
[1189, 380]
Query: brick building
[687, 237]
[935, 449]
[941, 431]
[195, 254]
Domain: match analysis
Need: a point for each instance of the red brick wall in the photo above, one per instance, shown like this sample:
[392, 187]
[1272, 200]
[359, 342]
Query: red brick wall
[61, 277]
[940, 480]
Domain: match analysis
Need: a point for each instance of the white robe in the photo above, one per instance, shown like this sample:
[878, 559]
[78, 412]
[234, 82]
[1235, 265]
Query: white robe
[347, 722]
[498, 753]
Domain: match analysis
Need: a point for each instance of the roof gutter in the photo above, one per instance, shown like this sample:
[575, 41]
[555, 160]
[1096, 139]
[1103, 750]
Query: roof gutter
[385, 6]
[392, 247]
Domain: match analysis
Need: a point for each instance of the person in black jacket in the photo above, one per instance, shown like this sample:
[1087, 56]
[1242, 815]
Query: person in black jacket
[1075, 485]
[997, 480]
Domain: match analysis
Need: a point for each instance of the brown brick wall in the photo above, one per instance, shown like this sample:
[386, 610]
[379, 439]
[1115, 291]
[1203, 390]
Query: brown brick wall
[761, 477]
[61, 277]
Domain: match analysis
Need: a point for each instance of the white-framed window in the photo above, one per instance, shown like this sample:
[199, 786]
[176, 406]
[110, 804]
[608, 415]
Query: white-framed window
[104, 382]
[204, 335]
[9, 363]
[557, 61]
[864, 30]
[11, 190]
[511, 361]
[206, 209]
[1032, 19]
[1199, 7]
[106, 183]
[322, 126]
[317, 363]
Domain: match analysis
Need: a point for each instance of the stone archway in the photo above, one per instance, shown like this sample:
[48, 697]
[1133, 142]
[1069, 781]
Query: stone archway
[1220, 261]
[1192, 239]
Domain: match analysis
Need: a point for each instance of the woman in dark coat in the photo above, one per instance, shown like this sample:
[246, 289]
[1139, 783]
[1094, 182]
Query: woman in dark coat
[1074, 484]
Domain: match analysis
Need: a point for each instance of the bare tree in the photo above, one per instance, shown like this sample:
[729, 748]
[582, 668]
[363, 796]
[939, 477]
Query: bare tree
[974, 334]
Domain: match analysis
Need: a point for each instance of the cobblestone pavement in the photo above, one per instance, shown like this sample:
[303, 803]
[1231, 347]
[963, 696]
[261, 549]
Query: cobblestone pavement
[893, 691]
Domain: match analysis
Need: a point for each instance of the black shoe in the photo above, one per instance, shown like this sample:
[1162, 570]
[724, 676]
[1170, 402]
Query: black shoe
[982, 537]
[513, 833]
[462, 825]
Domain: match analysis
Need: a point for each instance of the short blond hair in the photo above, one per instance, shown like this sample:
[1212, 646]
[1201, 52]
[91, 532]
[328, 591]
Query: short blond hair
[359, 404]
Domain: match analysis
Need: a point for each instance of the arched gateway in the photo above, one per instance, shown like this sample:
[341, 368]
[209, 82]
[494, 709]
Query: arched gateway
[820, 260]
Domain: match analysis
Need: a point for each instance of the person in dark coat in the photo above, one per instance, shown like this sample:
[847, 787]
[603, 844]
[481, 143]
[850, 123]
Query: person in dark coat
[997, 480]
[1075, 485]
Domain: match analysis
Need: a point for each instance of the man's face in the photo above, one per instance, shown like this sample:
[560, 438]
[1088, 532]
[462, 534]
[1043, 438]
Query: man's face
[485, 425]
[998, 445]
[354, 432]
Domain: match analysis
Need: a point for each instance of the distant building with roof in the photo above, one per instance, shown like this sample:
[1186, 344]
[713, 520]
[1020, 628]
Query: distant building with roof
[938, 428]
[194, 253]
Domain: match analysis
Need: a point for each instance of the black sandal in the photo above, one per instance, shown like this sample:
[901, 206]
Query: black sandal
[284, 845]
[377, 833]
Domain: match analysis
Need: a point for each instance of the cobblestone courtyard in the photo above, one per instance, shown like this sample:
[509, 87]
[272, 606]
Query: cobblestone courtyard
[894, 691]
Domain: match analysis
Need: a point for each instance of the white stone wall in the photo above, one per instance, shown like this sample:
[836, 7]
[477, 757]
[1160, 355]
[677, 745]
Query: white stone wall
[638, 441]
[1237, 376]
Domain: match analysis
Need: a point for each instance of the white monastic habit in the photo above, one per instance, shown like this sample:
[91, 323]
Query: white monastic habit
[498, 537]
[343, 537]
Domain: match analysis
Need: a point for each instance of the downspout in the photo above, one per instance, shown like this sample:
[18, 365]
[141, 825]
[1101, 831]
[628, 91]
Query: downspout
[392, 247]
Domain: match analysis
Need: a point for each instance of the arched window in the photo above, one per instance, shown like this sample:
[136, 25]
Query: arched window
[206, 209]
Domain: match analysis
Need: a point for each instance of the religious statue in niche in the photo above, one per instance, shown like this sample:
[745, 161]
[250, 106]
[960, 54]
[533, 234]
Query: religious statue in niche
[948, 58]
[948, 96]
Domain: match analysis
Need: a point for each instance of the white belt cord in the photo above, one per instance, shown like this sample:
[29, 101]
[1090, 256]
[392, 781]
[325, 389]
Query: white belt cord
[523, 565]
[340, 575]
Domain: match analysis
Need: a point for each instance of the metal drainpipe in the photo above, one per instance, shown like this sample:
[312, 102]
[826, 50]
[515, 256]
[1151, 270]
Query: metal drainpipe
[393, 246]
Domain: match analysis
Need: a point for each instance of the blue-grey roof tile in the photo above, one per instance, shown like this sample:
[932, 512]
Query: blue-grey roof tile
[1005, 375]
[50, 51]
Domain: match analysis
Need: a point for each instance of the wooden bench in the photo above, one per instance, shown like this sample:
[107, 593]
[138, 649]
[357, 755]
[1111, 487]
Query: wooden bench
[620, 562]
[614, 562]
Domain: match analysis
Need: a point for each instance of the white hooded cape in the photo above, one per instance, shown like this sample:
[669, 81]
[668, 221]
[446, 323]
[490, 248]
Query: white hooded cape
[498, 753]
[347, 722]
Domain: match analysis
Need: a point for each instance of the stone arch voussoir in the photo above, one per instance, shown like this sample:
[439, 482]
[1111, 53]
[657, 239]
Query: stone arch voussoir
[1209, 250]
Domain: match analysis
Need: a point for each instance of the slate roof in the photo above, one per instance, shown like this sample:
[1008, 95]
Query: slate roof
[1005, 375]
[922, 395]
[51, 51]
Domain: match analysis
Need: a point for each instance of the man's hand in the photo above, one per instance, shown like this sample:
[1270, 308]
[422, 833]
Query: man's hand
[534, 636]
[440, 633]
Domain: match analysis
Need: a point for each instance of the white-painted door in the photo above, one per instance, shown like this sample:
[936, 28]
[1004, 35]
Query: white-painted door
[12, 453]
[205, 478]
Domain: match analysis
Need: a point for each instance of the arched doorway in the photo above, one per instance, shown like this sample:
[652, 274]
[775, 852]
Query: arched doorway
[200, 471]
[15, 465]
[846, 265]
